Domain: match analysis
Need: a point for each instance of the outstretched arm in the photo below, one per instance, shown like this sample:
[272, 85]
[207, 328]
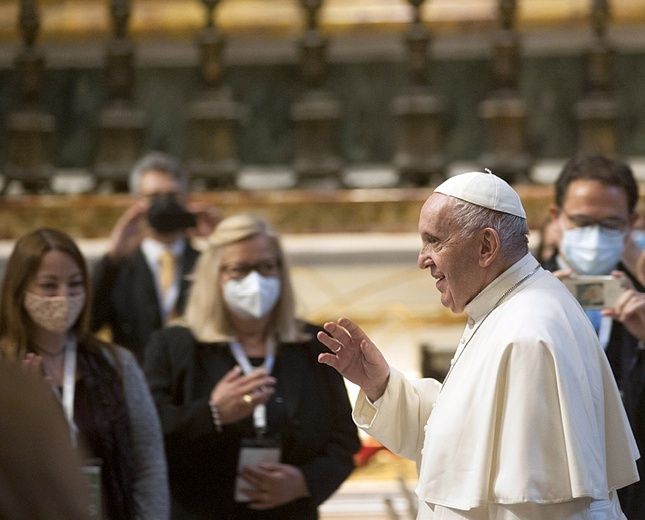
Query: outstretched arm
[355, 357]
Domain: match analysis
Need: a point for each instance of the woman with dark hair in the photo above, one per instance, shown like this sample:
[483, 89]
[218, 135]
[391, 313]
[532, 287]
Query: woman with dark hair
[255, 427]
[44, 316]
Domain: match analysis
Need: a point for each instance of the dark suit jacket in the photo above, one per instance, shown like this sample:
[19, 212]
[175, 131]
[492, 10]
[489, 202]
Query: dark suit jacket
[627, 362]
[125, 298]
[310, 412]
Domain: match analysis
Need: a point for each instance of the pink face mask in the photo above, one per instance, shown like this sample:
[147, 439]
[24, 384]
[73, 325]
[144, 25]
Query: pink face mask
[54, 313]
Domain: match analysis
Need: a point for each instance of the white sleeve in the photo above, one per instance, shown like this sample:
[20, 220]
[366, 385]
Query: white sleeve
[397, 419]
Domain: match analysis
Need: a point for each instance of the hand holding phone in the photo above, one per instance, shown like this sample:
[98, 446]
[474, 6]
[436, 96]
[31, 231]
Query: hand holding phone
[596, 292]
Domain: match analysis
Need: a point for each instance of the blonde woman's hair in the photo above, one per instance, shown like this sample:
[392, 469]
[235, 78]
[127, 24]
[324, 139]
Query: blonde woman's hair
[206, 313]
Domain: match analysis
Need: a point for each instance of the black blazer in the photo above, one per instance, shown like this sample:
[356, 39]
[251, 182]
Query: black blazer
[125, 298]
[310, 412]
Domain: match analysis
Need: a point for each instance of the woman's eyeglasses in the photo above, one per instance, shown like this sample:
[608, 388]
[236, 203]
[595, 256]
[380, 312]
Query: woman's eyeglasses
[242, 270]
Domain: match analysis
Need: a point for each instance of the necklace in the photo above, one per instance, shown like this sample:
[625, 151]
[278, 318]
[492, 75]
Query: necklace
[497, 304]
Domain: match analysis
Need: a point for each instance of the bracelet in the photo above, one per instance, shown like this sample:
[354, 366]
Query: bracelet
[217, 420]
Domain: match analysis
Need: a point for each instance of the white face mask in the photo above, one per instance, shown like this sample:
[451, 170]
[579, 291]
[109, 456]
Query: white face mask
[592, 250]
[253, 296]
[54, 313]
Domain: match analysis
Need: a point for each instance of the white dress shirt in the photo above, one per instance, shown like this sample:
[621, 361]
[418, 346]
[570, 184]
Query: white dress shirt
[152, 250]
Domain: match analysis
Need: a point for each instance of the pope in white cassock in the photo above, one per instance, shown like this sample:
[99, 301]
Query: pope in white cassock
[528, 423]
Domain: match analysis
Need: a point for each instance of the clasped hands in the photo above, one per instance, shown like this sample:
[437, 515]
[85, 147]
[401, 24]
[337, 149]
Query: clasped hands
[273, 484]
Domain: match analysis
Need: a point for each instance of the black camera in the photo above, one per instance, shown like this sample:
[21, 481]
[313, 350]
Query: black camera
[167, 215]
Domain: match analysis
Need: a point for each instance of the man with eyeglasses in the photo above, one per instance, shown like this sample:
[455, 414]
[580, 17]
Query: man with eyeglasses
[595, 208]
[141, 282]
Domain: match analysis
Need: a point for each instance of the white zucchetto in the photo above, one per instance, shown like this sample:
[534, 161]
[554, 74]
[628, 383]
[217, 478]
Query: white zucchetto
[483, 189]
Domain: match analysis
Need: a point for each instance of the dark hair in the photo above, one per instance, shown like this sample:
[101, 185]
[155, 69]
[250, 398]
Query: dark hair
[606, 170]
[21, 268]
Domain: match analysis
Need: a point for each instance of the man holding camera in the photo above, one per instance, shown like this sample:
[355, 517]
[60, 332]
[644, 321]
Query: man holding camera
[595, 208]
[141, 282]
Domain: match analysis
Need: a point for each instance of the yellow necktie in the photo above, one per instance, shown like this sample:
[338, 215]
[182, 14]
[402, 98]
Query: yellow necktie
[166, 270]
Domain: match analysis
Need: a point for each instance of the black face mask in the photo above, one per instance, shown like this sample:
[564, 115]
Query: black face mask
[167, 215]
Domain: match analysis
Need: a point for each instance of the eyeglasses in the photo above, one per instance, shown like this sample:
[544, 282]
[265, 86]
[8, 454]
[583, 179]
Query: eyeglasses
[613, 223]
[241, 270]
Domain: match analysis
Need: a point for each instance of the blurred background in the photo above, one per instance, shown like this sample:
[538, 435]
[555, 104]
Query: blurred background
[332, 118]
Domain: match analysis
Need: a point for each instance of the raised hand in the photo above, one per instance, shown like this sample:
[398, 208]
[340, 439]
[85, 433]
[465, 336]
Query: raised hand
[207, 219]
[630, 311]
[355, 357]
[128, 232]
[34, 363]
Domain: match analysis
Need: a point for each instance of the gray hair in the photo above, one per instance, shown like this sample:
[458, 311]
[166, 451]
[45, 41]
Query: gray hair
[161, 162]
[513, 230]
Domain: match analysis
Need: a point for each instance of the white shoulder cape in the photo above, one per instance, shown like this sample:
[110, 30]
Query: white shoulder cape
[531, 412]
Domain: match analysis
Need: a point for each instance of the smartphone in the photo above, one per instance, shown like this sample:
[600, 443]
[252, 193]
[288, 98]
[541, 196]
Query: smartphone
[596, 292]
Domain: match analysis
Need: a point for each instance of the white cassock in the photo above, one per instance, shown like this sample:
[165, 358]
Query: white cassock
[529, 424]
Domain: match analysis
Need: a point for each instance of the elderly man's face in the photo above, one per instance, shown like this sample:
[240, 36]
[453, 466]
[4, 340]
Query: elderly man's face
[453, 261]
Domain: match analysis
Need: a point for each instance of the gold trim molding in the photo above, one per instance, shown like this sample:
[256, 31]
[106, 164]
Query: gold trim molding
[80, 19]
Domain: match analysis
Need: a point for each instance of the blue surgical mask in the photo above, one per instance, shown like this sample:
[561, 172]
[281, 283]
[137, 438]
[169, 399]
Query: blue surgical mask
[592, 250]
[638, 236]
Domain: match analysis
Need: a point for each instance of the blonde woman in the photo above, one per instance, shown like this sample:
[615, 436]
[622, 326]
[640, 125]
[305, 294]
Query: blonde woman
[236, 377]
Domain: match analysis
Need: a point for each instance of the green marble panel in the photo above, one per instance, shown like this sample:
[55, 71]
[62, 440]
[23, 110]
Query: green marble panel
[550, 85]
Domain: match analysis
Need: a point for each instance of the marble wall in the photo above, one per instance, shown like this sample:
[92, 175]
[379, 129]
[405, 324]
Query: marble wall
[550, 83]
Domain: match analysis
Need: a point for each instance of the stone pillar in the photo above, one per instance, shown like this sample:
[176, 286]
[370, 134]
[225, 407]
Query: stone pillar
[504, 112]
[316, 112]
[214, 117]
[30, 129]
[597, 113]
[419, 145]
[121, 126]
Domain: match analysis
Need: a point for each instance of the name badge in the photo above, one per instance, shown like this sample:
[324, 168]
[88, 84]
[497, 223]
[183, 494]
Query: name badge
[255, 451]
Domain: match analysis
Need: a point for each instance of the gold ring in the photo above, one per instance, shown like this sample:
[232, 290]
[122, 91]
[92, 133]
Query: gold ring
[247, 398]
[338, 349]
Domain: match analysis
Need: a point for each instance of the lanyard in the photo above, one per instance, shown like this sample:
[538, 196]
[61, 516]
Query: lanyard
[260, 410]
[69, 387]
